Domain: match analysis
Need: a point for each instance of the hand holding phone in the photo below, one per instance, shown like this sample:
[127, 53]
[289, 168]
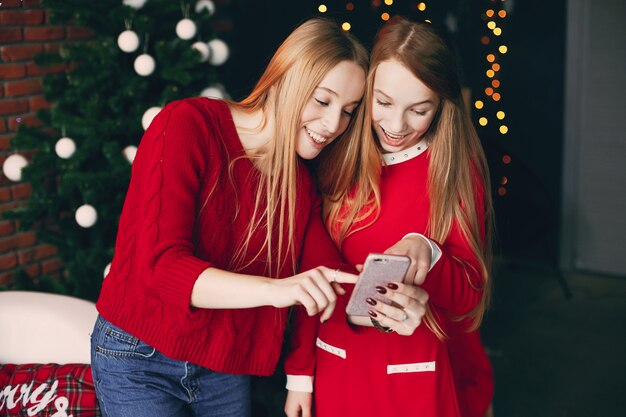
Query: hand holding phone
[379, 269]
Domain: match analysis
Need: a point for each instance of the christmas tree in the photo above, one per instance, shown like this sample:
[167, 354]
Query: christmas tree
[143, 54]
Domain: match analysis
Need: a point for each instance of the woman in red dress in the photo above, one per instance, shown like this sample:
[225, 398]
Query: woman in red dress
[429, 201]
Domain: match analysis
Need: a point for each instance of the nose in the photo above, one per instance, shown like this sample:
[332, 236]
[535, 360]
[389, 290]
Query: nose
[331, 120]
[396, 122]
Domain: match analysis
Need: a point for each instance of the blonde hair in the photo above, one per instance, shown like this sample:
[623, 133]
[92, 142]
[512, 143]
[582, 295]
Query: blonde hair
[457, 160]
[296, 69]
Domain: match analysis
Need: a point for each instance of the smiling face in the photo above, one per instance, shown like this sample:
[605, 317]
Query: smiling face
[328, 111]
[403, 107]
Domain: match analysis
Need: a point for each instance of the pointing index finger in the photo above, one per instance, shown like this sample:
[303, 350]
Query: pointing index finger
[345, 277]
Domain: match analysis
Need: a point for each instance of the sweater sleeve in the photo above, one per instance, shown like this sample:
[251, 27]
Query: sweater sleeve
[318, 249]
[171, 161]
[455, 282]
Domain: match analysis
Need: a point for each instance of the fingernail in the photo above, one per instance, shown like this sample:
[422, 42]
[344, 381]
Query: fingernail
[370, 301]
[371, 313]
[392, 285]
[381, 290]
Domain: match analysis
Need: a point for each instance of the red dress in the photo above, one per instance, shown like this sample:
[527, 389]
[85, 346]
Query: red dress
[360, 371]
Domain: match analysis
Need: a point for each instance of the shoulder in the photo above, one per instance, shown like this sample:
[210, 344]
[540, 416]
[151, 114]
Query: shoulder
[195, 107]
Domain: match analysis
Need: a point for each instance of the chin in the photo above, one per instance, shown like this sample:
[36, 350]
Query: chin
[307, 154]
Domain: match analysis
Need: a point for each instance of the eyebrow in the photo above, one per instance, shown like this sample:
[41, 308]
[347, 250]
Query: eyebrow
[334, 93]
[427, 101]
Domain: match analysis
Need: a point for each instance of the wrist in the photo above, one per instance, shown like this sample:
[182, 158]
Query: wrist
[435, 250]
[267, 291]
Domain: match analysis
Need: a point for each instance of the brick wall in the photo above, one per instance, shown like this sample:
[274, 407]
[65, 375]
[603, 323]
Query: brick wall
[24, 32]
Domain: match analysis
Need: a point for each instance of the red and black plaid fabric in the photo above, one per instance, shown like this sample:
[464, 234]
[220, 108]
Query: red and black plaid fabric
[45, 389]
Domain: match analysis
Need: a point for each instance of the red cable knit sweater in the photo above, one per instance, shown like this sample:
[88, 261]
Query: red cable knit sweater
[183, 213]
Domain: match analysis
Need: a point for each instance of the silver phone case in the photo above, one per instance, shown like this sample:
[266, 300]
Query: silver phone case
[379, 269]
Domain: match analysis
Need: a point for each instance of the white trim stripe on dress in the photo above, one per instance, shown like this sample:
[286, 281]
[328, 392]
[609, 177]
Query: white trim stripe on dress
[411, 367]
[330, 348]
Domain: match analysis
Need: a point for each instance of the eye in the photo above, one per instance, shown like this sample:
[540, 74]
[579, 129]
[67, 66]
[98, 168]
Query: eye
[382, 103]
[419, 112]
[321, 102]
[348, 113]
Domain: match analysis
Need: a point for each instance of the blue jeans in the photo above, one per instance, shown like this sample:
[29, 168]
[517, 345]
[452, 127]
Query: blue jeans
[133, 379]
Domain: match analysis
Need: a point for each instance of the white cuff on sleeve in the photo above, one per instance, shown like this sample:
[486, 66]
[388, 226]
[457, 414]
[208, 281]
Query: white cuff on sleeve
[302, 383]
[435, 250]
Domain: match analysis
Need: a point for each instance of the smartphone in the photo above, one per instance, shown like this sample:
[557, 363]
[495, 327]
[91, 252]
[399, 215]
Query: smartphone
[379, 269]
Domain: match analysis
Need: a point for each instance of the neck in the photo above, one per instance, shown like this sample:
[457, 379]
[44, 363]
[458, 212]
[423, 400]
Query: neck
[255, 130]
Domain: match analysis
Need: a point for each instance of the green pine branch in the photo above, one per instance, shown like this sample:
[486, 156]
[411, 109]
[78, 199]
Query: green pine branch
[99, 102]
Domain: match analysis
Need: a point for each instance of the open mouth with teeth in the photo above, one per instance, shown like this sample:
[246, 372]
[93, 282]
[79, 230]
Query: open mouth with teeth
[392, 137]
[319, 139]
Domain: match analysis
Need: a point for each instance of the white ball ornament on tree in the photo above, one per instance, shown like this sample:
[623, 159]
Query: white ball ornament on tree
[212, 92]
[106, 270]
[128, 41]
[13, 165]
[219, 51]
[144, 65]
[86, 216]
[129, 152]
[186, 29]
[207, 5]
[135, 4]
[148, 115]
[65, 147]
[203, 49]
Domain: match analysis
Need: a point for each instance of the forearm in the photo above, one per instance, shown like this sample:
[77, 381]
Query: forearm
[217, 288]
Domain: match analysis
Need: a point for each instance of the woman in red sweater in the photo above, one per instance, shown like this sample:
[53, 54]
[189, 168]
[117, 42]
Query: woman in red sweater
[217, 209]
[430, 201]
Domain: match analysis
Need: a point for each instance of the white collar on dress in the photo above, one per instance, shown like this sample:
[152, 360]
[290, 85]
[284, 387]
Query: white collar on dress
[406, 154]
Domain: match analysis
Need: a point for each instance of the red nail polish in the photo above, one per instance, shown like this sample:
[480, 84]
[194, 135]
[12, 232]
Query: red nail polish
[381, 290]
[392, 285]
[370, 301]
[371, 313]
